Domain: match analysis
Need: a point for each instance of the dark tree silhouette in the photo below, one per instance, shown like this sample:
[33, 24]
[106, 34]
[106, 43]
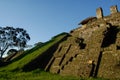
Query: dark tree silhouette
[11, 51]
[12, 37]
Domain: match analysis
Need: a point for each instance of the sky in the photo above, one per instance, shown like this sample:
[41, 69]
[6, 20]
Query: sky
[44, 19]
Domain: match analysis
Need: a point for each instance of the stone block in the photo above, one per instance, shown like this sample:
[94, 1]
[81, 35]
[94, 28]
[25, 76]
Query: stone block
[99, 13]
[113, 9]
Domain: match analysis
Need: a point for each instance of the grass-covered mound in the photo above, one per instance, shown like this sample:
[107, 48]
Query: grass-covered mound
[30, 55]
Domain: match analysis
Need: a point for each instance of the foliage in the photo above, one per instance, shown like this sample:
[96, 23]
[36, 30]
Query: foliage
[39, 44]
[12, 37]
[11, 51]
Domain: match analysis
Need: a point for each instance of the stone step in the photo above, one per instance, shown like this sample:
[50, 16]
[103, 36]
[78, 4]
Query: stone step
[55, 69]
[57, 61]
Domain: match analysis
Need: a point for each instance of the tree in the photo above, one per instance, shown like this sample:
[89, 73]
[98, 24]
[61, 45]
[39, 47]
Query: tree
[12, 37]
[38, 44]
[11, 51]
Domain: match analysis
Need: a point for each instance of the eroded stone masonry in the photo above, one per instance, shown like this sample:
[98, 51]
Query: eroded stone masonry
[92, 50]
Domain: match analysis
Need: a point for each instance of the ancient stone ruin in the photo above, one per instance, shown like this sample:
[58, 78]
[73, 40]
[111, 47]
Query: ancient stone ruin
[92, 50]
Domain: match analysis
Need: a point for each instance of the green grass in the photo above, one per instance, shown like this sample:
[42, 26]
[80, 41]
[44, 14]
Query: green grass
[30, 55]
[34, 75]
[38, 75]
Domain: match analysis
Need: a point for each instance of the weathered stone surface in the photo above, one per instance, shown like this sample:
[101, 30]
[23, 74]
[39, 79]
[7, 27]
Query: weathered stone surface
[99, 12]
[113, 9]
[87, 20]
[92, 49]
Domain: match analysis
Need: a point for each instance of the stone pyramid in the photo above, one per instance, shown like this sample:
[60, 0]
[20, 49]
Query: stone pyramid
[91, 50]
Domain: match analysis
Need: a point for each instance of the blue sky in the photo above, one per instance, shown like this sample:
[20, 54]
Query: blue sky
[44, 19]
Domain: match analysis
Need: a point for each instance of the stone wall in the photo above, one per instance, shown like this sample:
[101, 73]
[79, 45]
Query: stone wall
[92, 50]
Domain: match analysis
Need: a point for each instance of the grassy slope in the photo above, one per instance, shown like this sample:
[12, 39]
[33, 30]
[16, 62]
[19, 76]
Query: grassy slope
[14, 70]
[32, 54]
